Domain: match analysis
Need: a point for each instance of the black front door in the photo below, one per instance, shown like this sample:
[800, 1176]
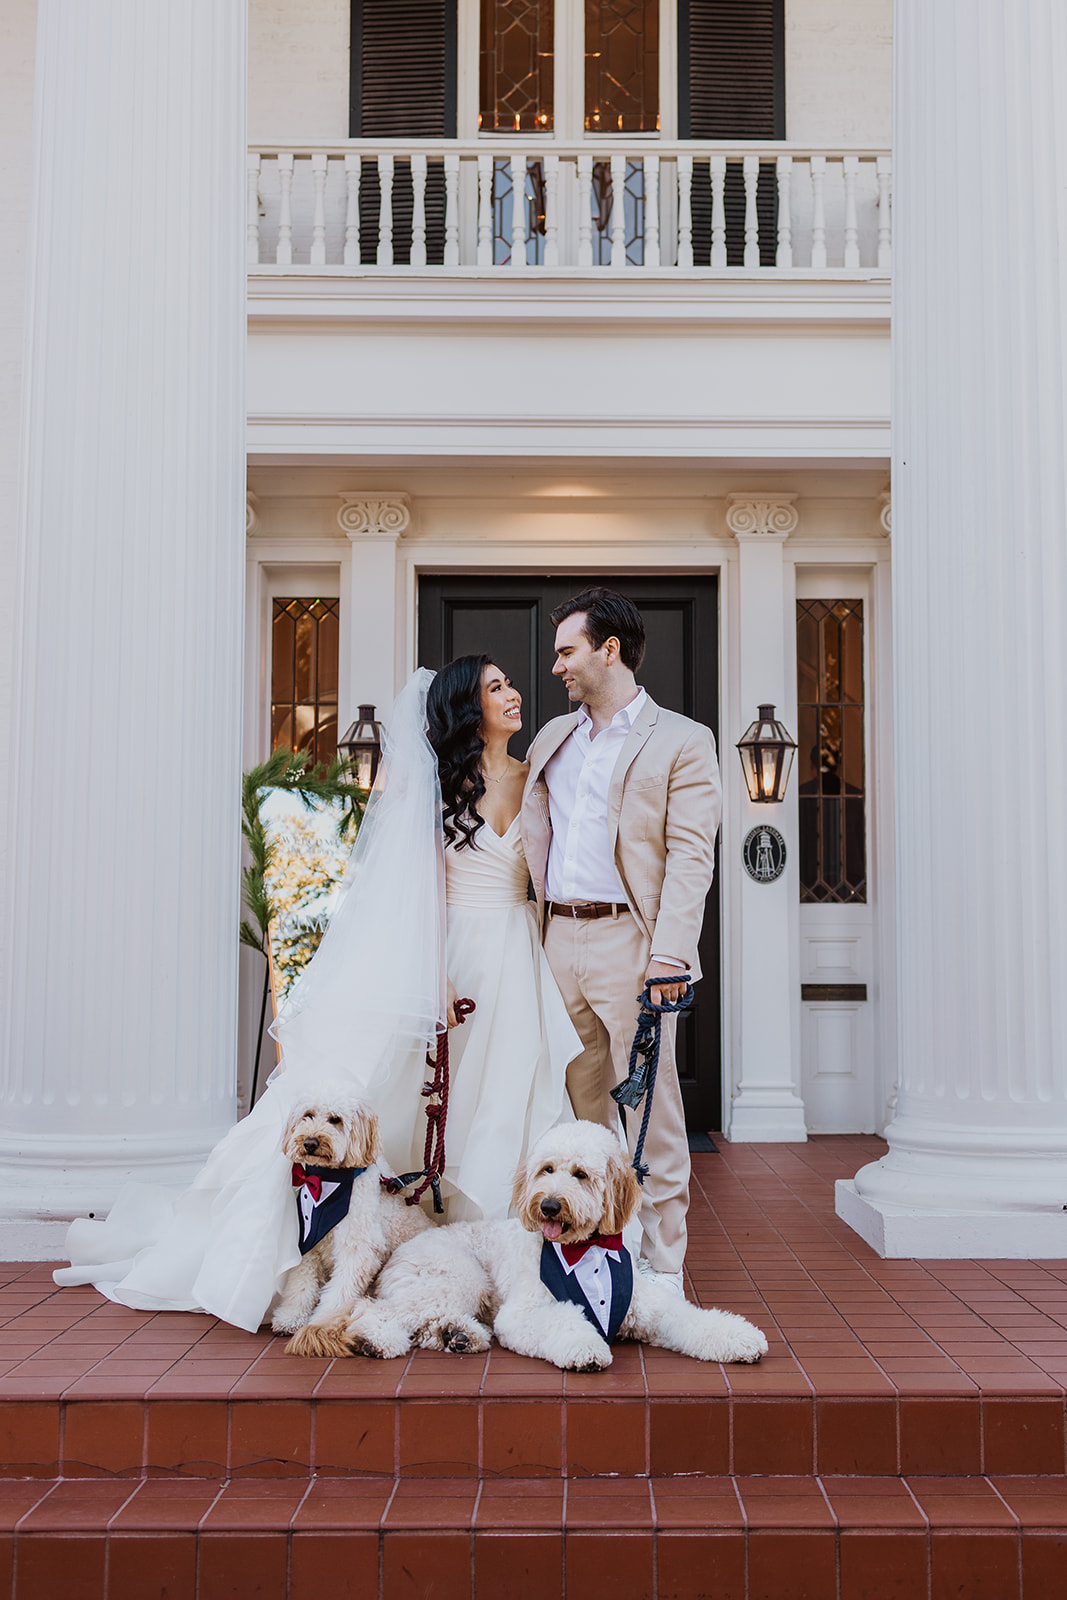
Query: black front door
[507, 618]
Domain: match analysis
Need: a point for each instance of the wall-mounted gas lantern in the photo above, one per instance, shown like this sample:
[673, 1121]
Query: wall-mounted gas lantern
[362, 746]
[766, 752]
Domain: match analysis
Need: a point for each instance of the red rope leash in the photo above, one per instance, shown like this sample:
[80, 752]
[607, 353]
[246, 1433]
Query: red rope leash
[436, 1094]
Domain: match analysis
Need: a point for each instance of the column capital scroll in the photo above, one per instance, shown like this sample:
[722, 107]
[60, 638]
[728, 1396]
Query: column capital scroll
[757, 515]
[251, 511]
[375, 514]
[885, 516]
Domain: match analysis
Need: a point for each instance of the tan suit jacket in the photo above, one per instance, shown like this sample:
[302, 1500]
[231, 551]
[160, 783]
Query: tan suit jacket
[663, 812]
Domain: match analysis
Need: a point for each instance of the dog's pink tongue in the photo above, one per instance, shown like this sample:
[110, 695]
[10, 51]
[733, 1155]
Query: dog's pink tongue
[552, 1230]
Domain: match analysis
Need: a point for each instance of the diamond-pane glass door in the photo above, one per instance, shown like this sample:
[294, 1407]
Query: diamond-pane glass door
[621, 66]
[303, 676]
[830, 754]
[516, 67]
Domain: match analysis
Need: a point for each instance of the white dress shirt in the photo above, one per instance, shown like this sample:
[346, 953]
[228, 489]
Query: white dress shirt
[581, 864]
[595, 1279]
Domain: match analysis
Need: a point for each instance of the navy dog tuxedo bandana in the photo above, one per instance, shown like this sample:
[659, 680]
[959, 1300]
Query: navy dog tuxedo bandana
[596, 1275]
[323, 1196]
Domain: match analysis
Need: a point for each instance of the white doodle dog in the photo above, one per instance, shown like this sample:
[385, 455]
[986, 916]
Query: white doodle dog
[535, 1282]
[349, 1223]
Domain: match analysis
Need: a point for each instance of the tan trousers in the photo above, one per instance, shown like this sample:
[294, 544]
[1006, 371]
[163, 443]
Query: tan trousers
[599, 966]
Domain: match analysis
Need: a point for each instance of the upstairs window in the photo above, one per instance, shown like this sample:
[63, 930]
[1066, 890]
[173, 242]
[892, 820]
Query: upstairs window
[516, 66]
[830, 751]
[621, 66]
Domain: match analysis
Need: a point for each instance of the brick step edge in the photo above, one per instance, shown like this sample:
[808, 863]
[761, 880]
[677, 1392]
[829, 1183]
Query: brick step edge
[693, 1539]
[524, 1436]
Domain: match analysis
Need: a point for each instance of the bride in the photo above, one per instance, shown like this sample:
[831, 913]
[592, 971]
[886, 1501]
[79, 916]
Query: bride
[433, 908]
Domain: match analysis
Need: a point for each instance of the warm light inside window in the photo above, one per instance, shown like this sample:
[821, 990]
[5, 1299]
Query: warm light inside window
[622, 66]
[516, 68]
[303, 676]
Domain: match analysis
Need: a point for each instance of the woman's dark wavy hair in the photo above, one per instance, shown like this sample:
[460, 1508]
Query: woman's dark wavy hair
[454, 722]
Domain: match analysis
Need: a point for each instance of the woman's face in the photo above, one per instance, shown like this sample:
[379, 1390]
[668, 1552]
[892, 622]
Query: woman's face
[501, 704]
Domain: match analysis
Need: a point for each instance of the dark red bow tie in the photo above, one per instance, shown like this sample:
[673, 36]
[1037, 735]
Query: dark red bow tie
[311, 1181]
[573, 1253]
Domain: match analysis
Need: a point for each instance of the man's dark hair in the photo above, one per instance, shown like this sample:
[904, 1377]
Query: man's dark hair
[608, 615]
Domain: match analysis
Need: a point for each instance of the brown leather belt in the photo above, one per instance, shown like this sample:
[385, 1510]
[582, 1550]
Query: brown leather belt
[584, 910]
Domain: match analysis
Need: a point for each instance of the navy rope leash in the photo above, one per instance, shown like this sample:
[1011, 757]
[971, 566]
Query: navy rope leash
[640, 1082]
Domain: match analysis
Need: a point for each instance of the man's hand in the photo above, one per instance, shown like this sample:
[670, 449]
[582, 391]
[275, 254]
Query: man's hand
[670, 990]
[453, 996]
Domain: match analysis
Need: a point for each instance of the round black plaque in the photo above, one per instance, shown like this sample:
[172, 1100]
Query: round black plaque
[763, 853]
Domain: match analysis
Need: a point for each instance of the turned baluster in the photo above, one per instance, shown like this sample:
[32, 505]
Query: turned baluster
[784, 255]
[717, 165]
[818, 212]
[685, 211]
[851, 167]
[451, 211]
[418, 210]
[385, 216]
[318, 220]
[585, 211]
[352, 255]
[884, 168]
[485, 211]
[283, 254]
[518, 211]
[750, 168]
[551, 211]
[651, 174]
[618, 211]
[252, 211]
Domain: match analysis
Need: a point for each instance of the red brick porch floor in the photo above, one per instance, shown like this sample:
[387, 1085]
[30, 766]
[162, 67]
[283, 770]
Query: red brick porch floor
[903, 1440]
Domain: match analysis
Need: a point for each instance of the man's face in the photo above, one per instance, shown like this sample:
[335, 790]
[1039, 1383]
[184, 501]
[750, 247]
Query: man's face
[584, 670]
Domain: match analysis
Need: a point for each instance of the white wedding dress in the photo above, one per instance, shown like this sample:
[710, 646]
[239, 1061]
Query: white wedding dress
[225, 1244]
[508, 1061]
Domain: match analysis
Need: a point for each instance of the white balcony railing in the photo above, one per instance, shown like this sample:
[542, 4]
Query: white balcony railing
[441, 205]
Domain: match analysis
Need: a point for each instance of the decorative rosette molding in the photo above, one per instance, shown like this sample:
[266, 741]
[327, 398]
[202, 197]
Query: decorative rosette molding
[885, 516]
[761, 516]
[251, 513]
[375, 515]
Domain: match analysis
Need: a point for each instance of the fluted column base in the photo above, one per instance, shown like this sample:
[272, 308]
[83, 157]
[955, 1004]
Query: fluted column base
[946, 1191]
[51, 1179]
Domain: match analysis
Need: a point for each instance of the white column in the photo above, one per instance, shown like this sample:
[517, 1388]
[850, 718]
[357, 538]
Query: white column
[978, 1148]
[118, 1043]
[766, 1104]
[374, 521]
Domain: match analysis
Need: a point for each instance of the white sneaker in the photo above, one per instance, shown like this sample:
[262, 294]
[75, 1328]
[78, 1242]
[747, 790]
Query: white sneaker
[670, 1281]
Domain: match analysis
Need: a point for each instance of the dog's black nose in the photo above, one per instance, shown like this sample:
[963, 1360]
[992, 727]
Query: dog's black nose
[310, 1146]
[550, 1208]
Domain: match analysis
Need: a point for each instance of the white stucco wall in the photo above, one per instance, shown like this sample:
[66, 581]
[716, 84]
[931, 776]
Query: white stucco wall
[18, 22]
[298, 70]
[838, 69]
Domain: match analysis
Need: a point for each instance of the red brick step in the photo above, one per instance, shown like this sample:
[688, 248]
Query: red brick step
[777, 1538]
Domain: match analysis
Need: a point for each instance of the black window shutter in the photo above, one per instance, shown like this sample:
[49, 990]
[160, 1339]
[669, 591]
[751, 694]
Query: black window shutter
[731, 85]
[403, 69]
[731, 69]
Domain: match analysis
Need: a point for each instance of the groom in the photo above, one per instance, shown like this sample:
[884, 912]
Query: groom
[619, 817]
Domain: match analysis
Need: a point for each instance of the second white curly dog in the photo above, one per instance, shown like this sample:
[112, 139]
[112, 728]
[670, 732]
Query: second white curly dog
[528, 1280]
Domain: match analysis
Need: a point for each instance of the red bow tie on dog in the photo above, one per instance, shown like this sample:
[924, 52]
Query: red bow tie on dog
[573, 1253]
[314, 1179]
